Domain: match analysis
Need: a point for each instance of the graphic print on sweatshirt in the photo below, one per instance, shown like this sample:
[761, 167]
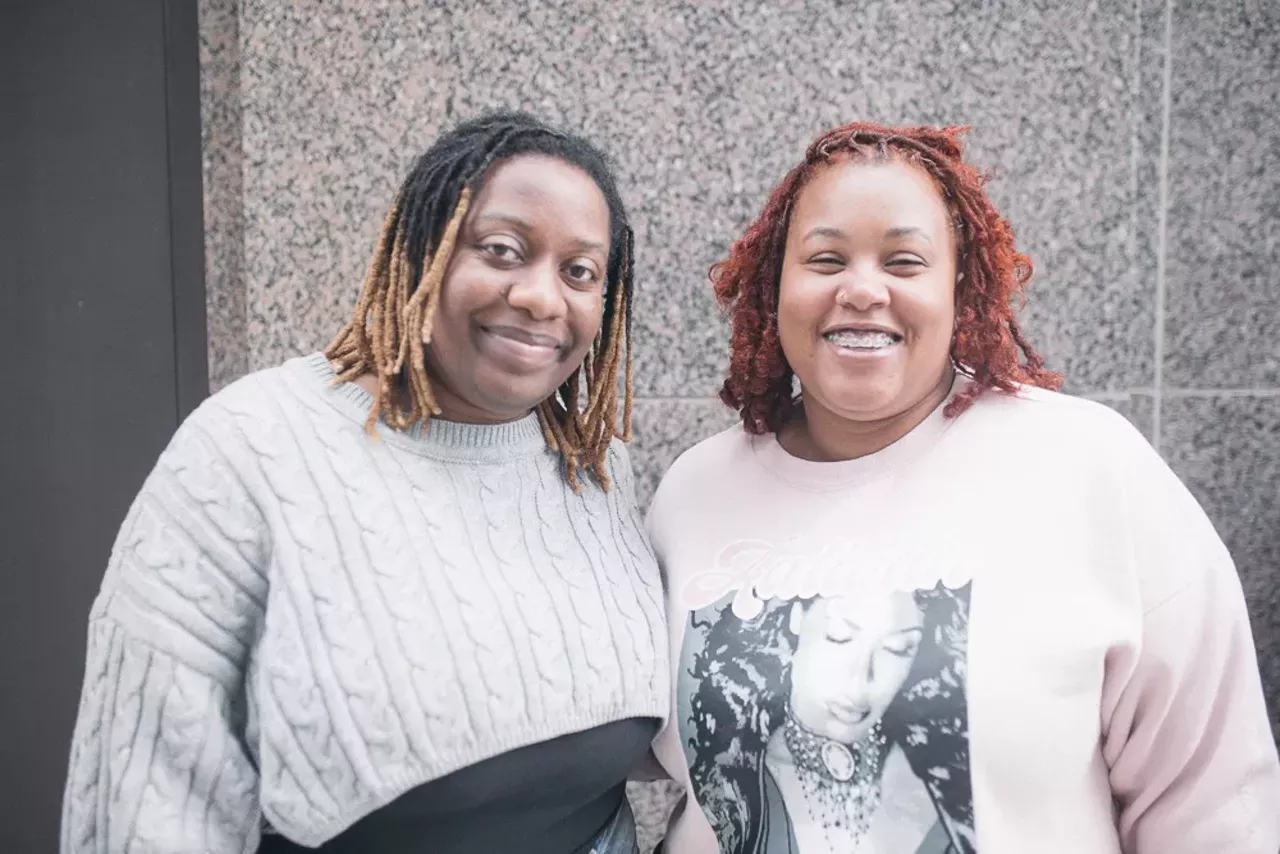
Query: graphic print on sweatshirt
[822, 701]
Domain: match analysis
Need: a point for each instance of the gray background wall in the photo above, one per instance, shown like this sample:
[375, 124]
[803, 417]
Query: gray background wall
[1135, 146]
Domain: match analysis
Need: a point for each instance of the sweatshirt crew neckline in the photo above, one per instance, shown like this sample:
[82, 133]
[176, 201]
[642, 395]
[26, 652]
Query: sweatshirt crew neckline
[820, 476]
[437, 438]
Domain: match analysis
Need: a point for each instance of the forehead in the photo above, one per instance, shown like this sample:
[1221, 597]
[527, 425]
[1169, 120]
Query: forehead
[851, 193]
[887, 611]
[547, 193]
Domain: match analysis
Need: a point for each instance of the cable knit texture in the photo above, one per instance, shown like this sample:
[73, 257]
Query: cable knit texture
[300, 622]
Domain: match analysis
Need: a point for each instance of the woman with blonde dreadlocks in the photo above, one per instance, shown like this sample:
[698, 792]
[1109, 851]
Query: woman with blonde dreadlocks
[395, 596]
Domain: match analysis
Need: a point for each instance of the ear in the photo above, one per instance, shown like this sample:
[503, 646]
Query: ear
[796, 618]
[955, 297]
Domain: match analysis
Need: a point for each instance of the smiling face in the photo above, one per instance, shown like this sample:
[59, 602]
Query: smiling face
[523, 296]
[851, 659]
[866, 303]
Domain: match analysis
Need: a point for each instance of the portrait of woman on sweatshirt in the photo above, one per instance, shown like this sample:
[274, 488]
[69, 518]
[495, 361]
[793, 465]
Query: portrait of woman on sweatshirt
[919, 600]
[396, 596]
[862, 677]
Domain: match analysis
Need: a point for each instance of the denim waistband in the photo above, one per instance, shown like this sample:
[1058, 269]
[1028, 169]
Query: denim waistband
[619, 835]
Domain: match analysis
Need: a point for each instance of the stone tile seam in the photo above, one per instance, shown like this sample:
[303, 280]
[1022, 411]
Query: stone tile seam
[1100, 396]
[1162, 225]
[1178, 393]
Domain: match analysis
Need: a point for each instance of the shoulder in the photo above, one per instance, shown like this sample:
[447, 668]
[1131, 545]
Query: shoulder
[619, 455]
[195, 533]
[1056, 440]
[1068, 446]
[698, 474]
[257, 395]
[1046, 433]
[712, 455]
[243, 413]
[621, 475]
[220, 454]
[1041, 415]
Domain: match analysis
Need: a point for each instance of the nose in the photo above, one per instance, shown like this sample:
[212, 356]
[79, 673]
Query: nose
[862, 676]
[863, 291]
[536, 292]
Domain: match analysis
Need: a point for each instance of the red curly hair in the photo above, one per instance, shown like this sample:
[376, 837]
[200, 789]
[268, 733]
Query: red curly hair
[988, 343]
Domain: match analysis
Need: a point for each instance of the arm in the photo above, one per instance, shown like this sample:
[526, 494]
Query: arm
[157, 758]
[687, 832]
[1186, 735]
[635, 538]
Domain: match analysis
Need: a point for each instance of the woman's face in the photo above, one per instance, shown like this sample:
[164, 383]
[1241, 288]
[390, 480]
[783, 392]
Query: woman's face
[866, 303]
[851, 659]
[523, 296]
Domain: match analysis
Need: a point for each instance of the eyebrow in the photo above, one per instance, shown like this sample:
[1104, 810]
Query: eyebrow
[825, 231]
[908, 231]
[510, 219]
[851, 624]
[525, 225]
[896, 231]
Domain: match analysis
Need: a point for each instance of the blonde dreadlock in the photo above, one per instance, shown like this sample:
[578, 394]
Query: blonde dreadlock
[391, 325]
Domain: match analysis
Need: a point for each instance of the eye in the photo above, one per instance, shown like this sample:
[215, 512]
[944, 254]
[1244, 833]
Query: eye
[827, 262]
[583, 274]
[840, 632]
[906, 262]
[502, 251]
[902, 647]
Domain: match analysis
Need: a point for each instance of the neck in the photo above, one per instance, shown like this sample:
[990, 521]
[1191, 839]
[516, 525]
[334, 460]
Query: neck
[820, 435]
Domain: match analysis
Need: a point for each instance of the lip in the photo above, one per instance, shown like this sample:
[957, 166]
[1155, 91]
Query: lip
[525, 337]
[862, 327]
[520, 351]
[848, 715]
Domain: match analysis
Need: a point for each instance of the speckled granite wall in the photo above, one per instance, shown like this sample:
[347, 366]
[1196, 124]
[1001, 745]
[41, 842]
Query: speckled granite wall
[1135, 147]
[224, 201]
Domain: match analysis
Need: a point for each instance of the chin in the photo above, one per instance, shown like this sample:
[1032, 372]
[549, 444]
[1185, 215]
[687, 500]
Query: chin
[875, 410]
[513, 406]
[865, 407]
[839, 733]
[514, 394]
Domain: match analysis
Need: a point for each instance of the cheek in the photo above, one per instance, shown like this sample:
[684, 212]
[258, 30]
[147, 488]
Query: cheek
[469, 286]
[823, 660]
[805, 664]
[807, 685]
[929, 308]
[932, 305]
[451, 348]
[586, 314]
[891, 673]
[799, 311]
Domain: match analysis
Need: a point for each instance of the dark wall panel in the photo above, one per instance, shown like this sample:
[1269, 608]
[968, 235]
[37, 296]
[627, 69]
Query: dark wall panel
[102, 329]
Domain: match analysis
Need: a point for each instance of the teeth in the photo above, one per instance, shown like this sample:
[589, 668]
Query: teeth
[860, 340]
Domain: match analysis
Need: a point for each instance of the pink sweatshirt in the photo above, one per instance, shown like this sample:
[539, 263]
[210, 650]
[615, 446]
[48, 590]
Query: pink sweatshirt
[1010, 632]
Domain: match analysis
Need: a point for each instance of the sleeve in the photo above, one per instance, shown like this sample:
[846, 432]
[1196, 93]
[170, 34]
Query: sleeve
[648, 770]
[1193, 766]
[665, 760]
[158, 760]
[685, 833]
[622, 475]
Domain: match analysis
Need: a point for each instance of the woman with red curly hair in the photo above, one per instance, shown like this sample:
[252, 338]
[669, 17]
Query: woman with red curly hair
[922, 602]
